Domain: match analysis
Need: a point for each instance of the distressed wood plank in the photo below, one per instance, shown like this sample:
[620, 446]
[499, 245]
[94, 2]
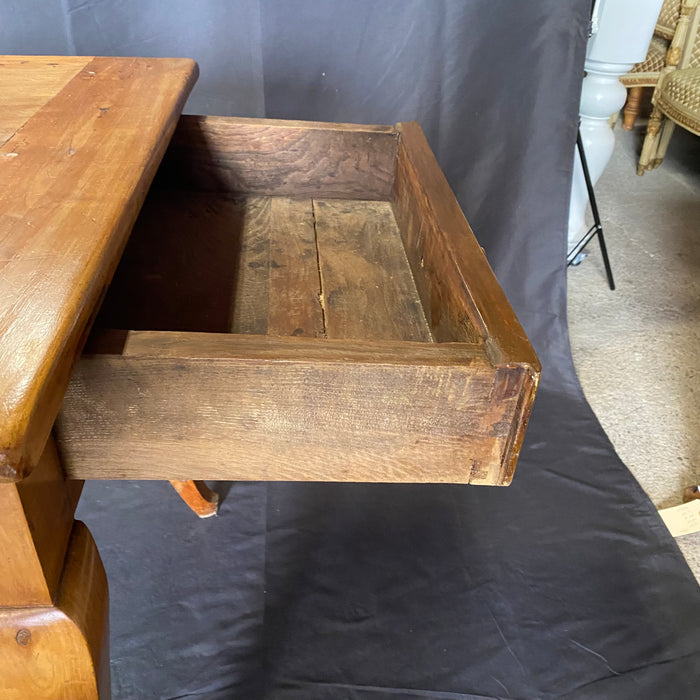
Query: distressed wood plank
[368, 291]
[211, 263]
[295, 285]
[72, 180]
[277, 409]
[264, 347]
[450, 311]
[277, 157]
[453, 276]
[251, 294]
[277, 289]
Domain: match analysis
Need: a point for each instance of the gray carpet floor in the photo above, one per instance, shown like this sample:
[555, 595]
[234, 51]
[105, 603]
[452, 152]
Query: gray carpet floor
[637, 349]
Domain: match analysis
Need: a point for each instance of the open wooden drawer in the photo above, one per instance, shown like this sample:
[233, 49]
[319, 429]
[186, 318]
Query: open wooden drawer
[300, 301]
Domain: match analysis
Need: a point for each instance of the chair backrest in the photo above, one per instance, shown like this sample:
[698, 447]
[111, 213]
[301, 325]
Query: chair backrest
[668, 19]
[684, 51]
[691, 52]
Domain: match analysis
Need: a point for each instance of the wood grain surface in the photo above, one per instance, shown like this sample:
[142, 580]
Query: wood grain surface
[246, 407]
[263, 265]
[366, 283]
[277, 157]
[277, 286]
[27, 83]
[53, 591]
[36, 518]
[208, 262]
[157, 344]
[461, 296]
[60, 651]
[457, 285]
[72, 180]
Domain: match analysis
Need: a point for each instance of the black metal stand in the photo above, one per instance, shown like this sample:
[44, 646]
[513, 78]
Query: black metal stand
[597, 228]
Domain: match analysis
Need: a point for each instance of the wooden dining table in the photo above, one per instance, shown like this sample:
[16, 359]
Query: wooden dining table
[361, 336]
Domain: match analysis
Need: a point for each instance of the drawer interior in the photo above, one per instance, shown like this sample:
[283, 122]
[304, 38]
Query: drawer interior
[266, 265]
[289, 229]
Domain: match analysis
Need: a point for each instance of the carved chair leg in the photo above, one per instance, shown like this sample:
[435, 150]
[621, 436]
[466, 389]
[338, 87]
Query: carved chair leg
[651, 142]
[631, 109]
[664, 139]
[198, 496]
[53, 592]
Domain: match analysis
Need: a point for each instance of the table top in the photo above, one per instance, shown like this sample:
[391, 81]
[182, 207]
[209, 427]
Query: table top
[80, 141]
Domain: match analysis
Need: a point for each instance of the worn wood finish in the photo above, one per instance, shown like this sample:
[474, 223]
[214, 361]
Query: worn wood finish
[366, 283]
[460, 293]
[157, 344]
[631, 109]
[276, 157]
[198, 496]
[59, 651]
[208, 262]
[250, 298]
[294, 299]
[277, 284]
[288, 409]
[27, 83]
[72, 180]
[449, 309]
[324, 269]
[451, 270]
[53, 591]
[36, 518]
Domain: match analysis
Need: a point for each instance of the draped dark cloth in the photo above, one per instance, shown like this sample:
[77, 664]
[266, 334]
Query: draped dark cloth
[564, 585]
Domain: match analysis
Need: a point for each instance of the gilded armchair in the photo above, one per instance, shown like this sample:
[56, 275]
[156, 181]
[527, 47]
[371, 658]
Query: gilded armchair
[676, 98]
[646, 73]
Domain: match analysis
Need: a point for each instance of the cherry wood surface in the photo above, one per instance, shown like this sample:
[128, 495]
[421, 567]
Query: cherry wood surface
[27, 83]
[72, 180]
[198, 496]
[60, 651]
[80, 141]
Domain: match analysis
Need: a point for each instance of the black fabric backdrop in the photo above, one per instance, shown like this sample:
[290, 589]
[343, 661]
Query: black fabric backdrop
[564, 585]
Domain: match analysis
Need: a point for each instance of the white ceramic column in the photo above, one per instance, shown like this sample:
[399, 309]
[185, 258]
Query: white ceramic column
[621, 32]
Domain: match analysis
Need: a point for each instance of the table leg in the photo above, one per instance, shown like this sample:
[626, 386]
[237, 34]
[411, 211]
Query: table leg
[198, 496]
[53, 592]
[631, 109]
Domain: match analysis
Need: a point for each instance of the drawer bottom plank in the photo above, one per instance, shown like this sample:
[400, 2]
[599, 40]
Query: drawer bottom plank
[205, 262]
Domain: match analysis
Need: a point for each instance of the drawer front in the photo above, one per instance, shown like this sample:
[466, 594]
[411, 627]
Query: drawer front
[231, 407]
